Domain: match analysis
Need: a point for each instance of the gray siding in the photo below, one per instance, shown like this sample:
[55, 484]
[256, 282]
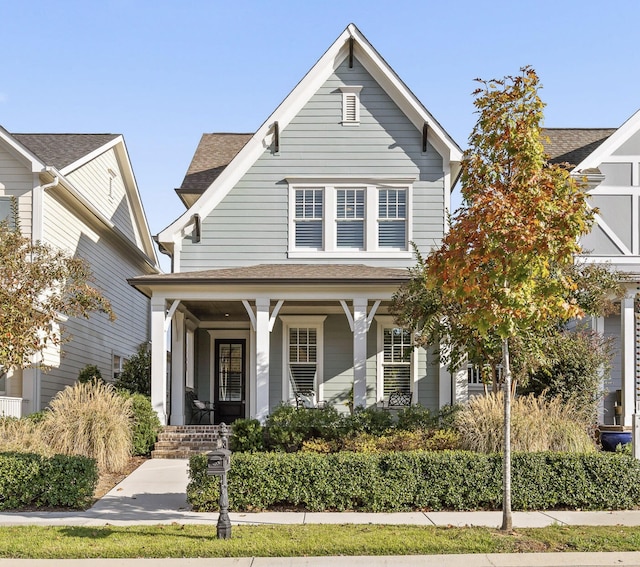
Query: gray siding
[250, 225]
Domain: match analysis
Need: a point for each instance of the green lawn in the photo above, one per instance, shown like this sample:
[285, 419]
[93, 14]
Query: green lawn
[264, 541]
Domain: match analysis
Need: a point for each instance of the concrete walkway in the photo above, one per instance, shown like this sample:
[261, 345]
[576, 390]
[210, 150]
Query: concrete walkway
[156, 494]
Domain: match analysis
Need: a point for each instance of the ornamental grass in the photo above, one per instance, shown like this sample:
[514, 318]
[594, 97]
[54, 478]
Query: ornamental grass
[537, 424]
[92, 420]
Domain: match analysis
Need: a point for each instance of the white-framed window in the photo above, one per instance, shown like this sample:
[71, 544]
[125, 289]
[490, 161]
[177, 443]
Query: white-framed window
[308, 218]
[302, 355]
[392, 218]
[349, 219]
[118, 365]
[350, 105]
[395, 360]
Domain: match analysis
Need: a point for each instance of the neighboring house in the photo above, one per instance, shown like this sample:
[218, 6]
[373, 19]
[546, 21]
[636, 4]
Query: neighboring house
[77, 192]
[609, 160]
[294, 241]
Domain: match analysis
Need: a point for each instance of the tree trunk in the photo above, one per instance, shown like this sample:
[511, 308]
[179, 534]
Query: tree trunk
[507, 520]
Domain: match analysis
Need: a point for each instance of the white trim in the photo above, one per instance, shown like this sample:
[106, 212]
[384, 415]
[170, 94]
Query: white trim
[606, 149]
[169, 315]
[371, 244]
[307, 322]
[612, 235]
[292, 104]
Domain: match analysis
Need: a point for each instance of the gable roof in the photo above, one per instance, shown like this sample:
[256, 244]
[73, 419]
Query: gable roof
[612, 143]
[213, 154]
[61, 150]
[573, 145]
[375, 65]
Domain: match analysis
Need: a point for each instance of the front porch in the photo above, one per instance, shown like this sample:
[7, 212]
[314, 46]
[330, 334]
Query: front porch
[247, 339]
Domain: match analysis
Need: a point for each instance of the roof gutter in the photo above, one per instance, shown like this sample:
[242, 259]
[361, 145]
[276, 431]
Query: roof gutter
[71, 190]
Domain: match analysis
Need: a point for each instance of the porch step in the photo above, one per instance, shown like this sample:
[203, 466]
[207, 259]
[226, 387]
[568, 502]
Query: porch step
[182, 441]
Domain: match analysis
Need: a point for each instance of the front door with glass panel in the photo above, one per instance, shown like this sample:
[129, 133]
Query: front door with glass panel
[230, 372]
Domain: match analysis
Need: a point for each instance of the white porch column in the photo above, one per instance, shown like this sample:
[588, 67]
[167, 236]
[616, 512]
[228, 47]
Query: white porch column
[360, 326]
[178, 377]
[628, 356]
[31, 390]
[159, 359]
[262, 358]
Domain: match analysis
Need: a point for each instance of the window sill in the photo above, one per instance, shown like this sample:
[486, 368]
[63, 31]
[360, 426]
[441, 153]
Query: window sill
[377, 254]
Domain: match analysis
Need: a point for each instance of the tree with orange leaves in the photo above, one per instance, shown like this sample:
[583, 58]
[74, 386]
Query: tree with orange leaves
[504, 261]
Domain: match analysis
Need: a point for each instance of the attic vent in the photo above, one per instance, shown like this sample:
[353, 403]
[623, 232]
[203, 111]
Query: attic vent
[351, 104]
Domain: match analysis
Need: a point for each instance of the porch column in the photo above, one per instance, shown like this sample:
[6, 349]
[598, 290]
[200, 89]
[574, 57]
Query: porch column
[158, 359]
[31, 389]
[360, 325]
[177, 369]
[628, 356]
[262, 359]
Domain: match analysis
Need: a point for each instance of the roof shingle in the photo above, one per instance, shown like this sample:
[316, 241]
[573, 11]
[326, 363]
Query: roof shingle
[61, 150]
[213, 154]
[572, 145]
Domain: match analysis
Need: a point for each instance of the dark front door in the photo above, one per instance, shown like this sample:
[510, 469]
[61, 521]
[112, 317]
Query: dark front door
[230, 372]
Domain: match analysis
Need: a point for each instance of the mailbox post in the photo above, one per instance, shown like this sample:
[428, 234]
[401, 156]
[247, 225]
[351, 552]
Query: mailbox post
[218, 464]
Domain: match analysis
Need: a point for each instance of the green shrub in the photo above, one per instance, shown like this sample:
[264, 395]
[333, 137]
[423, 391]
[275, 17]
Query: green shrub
[92, 420]
[372, 420]
[247, 436]
[418, 480]
[146, 424]
[136, 372]
[287, 428]
[416, 417]
[31, 480]
[88, 373]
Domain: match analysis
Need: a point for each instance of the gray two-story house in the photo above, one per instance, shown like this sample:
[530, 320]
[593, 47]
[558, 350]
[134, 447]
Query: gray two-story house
[293, 242]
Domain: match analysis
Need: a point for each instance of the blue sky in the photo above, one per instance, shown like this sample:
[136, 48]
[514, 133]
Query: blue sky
[161, 73]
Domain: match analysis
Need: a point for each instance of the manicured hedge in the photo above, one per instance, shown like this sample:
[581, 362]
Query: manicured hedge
[418, 480]
[30, 480]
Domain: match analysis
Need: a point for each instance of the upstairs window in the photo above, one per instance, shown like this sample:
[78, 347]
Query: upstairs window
[309, 212]
[392, 218]
[350, 218]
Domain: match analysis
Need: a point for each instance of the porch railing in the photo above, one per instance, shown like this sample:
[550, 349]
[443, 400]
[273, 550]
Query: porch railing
[10, 407]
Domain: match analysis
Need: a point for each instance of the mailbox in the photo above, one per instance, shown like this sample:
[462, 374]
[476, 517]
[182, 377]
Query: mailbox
[218, 462]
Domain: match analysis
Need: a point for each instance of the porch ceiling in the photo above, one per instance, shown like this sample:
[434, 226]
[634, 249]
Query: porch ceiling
[235, 311]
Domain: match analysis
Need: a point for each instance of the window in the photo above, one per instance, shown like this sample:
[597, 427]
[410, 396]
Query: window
[118, 365]
[395, 358]
[349, 219]
[302, 355]
[392, 218]
[350, 105]
[309, 213]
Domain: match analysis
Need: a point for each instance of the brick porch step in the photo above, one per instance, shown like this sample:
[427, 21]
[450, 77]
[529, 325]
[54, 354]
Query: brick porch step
[182, 441]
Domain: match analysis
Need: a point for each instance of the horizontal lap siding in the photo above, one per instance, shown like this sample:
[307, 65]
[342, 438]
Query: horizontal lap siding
[96, 339]
[106, 194]
[250, 225]
[18, 182]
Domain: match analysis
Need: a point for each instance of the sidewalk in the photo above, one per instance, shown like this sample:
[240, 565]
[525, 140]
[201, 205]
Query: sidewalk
[155, 493]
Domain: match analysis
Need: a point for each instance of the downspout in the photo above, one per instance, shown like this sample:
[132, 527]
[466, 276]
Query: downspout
[56, 179]
[37, 207]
